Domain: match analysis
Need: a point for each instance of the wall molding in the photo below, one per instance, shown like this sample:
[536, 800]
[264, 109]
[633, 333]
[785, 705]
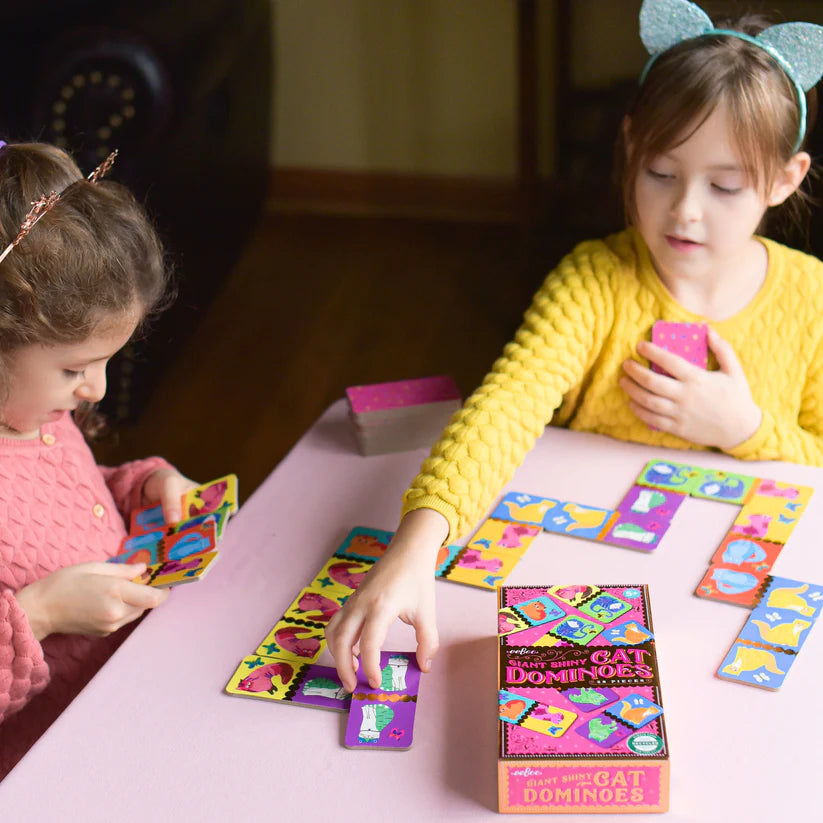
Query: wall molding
[408, 195]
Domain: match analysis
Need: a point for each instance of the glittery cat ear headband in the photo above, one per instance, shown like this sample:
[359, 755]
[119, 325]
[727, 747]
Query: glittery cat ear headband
[45, 202]
[796, 47]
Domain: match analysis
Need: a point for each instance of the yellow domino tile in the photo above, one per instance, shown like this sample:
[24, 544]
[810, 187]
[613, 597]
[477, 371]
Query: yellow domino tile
[269, 671]
[503, 535]
[788, 492]
[549, 720]
[290, 641]
[316, 604]
[176, 572]
[341, 573]
[484, 569]
[768, 518]
[217, 494]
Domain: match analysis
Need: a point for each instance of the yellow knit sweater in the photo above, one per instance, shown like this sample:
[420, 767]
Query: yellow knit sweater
[564, 364]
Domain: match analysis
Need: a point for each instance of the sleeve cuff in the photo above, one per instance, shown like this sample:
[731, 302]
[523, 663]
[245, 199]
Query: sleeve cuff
[433, 502]
[752, 449]
[23, 669]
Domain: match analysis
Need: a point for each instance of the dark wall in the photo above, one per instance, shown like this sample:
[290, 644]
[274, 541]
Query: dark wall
[183, 90]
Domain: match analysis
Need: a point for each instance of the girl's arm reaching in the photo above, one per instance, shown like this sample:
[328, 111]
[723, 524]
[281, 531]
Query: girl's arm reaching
[477, 454]
[556, 346]
[400, 585]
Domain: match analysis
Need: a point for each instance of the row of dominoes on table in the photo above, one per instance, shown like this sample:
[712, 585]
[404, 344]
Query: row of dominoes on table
[282, 668]
[738, 570]
[181, 552]
[769, 513]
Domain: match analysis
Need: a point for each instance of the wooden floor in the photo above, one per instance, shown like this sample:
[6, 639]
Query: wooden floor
[320, 302]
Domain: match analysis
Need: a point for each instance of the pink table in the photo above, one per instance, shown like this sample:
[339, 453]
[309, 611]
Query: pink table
[154, 738]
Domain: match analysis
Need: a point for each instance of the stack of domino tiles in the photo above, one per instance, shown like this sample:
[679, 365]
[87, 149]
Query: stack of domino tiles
[176, 553]
[401, 415]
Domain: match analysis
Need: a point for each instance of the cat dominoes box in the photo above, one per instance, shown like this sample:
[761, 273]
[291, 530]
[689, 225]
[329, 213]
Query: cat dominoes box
[580, 726]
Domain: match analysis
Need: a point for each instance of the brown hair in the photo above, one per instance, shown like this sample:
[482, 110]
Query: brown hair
[93, 256]
[685, 85]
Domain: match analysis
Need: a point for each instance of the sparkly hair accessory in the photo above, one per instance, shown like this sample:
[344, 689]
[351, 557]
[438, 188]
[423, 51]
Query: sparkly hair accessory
[103, 169]
[38, 208]
[45, 203]
[796, 47]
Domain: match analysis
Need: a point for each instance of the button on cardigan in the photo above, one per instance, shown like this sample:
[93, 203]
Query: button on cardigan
[57, 508]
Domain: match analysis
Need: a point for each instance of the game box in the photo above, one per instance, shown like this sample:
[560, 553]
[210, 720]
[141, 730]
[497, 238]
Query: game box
[581, 725]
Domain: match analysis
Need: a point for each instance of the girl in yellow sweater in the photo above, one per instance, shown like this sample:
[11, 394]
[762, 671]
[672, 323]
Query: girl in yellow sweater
[713, 141]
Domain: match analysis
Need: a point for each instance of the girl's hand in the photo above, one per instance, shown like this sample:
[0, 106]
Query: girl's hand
[167, 486]
[87, 598]
[401, 584]
[710, 408]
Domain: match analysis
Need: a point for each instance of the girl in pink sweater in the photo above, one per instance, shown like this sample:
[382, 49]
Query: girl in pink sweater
[80, 268]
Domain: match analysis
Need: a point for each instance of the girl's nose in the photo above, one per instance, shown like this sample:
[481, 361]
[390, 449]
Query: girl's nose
[686, 207]
[93, 387]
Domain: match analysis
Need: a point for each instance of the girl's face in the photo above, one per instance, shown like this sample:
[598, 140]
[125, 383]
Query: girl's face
[697, 208]
[45, 381]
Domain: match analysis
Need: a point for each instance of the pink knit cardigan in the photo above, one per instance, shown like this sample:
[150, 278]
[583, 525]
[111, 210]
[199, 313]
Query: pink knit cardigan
[57, 508]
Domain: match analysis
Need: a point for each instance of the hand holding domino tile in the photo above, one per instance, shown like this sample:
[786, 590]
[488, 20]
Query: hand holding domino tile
[678, 395]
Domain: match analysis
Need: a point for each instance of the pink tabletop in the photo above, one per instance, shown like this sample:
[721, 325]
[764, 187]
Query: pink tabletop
[154, 738]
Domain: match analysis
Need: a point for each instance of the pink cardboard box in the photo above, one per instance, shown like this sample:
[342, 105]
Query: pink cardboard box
[579, 708]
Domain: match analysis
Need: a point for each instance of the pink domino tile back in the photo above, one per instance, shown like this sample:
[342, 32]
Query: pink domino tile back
[686, 339]
[379, 396]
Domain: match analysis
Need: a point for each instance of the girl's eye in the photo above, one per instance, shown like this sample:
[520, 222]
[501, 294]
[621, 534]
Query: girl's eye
[72, 373]
[658, 175]
[726, 189]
